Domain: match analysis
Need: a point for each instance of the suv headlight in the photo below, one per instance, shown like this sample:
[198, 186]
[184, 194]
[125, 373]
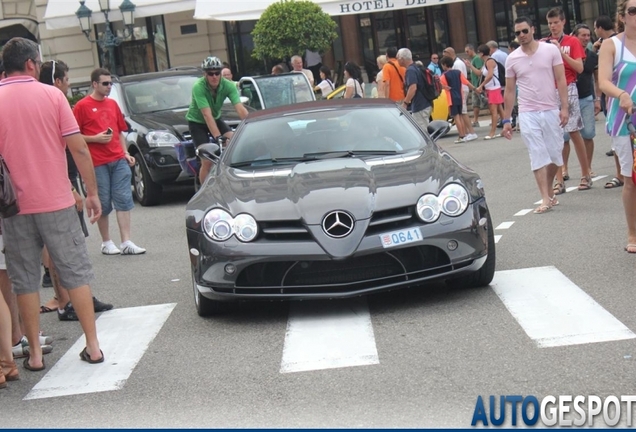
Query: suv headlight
[219, 225]
[452, 201]
[161, 138]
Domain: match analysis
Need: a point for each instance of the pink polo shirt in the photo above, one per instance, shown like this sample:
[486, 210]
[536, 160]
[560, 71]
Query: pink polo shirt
[34, 119]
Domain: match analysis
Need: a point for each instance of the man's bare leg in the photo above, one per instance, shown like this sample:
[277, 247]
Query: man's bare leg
[29, 306]
[12, 303]
[123, 220]
[82, 300]
[589, 151]
[102, 224]
[543, 177]
[579, 148]
[61, 294]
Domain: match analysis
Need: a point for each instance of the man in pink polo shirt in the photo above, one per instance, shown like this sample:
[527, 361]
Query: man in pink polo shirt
[36, 125]
[529, 68]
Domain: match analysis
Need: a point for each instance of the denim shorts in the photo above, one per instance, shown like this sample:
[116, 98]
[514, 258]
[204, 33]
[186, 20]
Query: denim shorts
[113, 186]
[589, 120]
[61, 233]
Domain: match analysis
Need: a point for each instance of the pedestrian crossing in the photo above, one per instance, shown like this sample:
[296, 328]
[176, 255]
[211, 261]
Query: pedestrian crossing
[551, 309]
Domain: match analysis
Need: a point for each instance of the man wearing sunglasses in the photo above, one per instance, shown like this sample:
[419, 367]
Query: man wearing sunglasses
[102, 124]
[204, 115]
[529, 68]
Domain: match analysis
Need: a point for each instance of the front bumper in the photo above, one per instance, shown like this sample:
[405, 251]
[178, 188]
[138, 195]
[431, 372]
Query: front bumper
[163, 164]
[302, 270]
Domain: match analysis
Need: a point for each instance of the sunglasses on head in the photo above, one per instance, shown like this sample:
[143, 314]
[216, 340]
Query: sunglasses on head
[631, 11]
[213, 73]
[524, 31]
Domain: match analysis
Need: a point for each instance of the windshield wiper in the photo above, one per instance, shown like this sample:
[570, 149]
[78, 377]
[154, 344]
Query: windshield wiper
[348, 153]
[271, 161]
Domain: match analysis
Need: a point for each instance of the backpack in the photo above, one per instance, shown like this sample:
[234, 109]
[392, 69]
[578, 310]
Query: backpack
[501, 71]
[432, 85]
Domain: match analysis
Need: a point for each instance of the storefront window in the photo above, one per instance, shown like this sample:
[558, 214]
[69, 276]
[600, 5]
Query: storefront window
[607, 7]
[143, 50]
[440, 28]
[240, 45]
[470, 18]
[385, 30]
[417, 34]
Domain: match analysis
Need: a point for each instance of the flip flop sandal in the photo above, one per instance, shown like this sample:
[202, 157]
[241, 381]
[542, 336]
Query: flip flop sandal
[614, 183]
[44, 309]
[27, 366]
[566, 176]
[488, 137]
[542, 209]
[554, 201]
[85, 356]
[630, 248]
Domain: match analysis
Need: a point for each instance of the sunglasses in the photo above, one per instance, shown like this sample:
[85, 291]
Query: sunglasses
[631, 11]
[524, 31]
[213, 73]
[434, 58]
[106, 83]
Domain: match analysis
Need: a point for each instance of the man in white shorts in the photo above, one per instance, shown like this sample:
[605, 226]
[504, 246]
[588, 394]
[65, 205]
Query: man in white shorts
[529, 69]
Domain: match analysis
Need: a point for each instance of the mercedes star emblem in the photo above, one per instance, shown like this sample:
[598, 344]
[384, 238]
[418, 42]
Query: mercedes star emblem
[338, 224]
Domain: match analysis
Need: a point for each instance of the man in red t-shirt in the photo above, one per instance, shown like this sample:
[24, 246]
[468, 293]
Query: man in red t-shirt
[102, 125]
[573, 55]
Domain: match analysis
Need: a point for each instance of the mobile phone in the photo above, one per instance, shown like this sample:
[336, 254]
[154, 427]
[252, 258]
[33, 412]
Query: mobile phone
[109, 131]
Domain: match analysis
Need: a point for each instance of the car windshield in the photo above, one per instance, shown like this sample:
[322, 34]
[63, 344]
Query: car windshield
[279, 90]
[161, 94]
[324, 134]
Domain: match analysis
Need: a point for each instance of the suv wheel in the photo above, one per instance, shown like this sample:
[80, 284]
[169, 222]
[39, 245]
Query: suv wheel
[147, 192]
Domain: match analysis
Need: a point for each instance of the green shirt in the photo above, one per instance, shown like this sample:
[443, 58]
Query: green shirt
[478, 63]
[202, 98]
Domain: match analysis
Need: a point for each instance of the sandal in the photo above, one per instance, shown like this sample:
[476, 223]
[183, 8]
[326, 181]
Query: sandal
[558, 189]
[85, 356]
[10, 370]
[630, 248]
[27, 366]
[585, 183]
[554, 202]
[542, 209]
[614, 183]
[45, 309]
[566, 176]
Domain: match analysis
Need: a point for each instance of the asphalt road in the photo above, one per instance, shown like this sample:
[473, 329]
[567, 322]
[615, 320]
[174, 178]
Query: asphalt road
[438, 348]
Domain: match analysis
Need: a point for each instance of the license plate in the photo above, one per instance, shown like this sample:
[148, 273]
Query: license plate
[400, 237]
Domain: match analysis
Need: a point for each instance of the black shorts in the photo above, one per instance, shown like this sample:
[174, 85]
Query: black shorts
[201, 134]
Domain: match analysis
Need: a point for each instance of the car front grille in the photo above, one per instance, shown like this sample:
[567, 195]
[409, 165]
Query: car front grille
[341, 276]
[292, 230]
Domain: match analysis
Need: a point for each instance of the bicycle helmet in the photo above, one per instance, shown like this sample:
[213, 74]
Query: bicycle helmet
[211, 63]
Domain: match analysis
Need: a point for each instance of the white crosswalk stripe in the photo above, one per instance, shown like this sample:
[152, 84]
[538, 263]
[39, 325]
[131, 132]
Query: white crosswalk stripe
[124, 336]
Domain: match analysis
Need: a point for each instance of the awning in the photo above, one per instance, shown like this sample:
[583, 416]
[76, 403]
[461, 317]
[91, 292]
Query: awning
[29, 24]
[61, 13]
[239, 10]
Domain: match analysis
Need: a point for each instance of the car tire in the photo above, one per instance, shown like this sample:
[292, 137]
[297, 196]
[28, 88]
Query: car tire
[485, 275]
[205, 307]
[147, 192]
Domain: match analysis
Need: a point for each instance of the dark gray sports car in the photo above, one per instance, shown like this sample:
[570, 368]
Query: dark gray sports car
[334, 199]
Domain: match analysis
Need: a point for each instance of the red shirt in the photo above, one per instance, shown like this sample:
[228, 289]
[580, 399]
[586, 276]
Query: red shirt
[571, 46]
[94, 117]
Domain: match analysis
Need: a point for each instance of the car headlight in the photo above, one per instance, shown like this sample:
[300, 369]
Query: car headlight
[217, 224]
[245, 227]
[161, 138]
[453, 199]
[428, 208]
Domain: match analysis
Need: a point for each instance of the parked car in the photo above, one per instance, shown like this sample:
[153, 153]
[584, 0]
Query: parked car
[334, 199]
[154, 106]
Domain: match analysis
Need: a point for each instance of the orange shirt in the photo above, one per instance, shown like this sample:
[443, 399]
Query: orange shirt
[444, 82]
[395, 78]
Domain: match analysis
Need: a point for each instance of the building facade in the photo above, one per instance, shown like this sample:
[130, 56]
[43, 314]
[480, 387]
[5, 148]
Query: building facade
[163, 40]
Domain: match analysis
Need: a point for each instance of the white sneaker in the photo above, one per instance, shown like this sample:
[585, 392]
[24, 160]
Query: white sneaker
[129, 248]
[109, 248]
[470, 137]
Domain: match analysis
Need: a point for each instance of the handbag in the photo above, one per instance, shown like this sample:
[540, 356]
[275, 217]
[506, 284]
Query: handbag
[8, 198]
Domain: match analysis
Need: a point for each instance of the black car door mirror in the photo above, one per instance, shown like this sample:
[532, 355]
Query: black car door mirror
[209, 151]
[437, 129]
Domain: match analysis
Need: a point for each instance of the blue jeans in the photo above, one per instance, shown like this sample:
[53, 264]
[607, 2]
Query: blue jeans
[113, 186]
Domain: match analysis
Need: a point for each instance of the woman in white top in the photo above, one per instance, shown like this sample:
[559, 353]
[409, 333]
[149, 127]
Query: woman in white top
[491, 83]
[325, 85]
[354, 85]
[379, 90]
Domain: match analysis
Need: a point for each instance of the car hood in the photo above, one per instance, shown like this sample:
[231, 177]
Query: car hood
[173, 120]
[307, 191]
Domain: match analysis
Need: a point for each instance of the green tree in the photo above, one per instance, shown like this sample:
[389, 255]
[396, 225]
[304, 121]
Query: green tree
[289, 27]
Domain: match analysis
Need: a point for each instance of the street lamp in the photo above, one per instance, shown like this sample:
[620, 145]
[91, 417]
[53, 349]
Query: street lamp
[108, 41]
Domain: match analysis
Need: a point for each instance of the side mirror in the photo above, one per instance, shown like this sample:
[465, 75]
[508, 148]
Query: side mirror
[438, 128]
[209, 151]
